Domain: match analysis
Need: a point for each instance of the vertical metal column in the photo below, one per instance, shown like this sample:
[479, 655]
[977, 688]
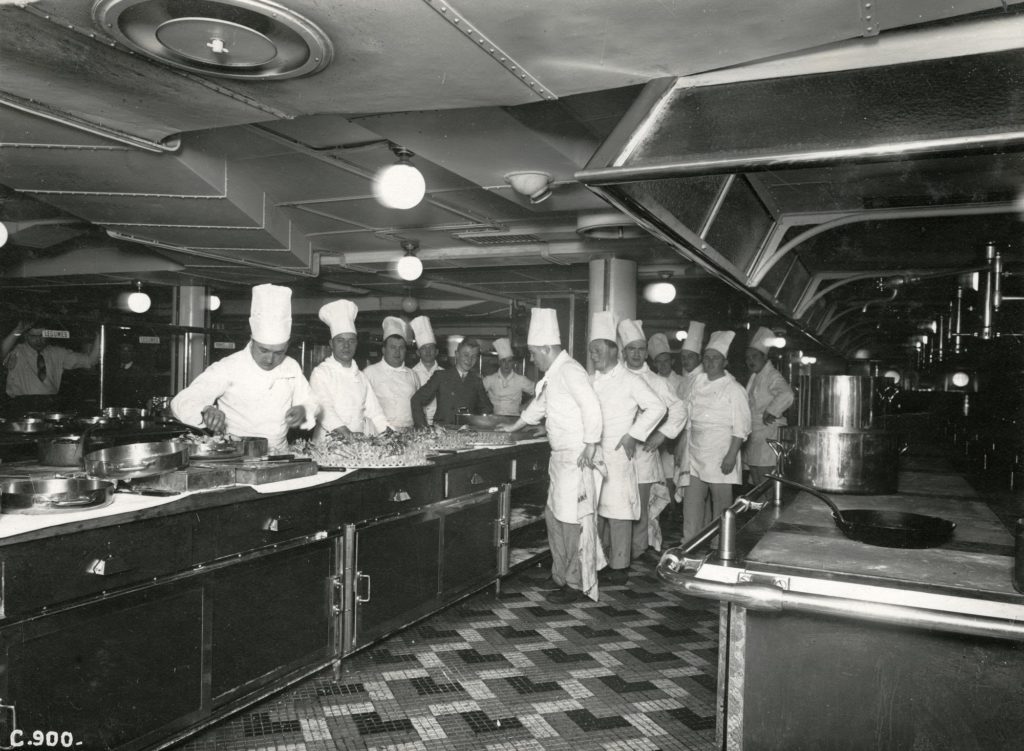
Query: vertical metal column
[988, 292]
[191, 310]
[612, 287]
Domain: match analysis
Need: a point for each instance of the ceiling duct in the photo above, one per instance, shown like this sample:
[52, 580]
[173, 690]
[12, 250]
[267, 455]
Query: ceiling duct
[245, 39]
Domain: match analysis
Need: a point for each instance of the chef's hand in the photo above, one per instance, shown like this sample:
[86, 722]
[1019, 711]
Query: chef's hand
[768, 418]
[214, 419]
[654, 441]
[341, 432]
[628, 444]
[728, 464]
[294, 417]
[512, 427]
[587, 456]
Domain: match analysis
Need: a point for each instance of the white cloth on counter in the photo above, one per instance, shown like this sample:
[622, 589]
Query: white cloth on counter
[253, 400]
[648, 463]
[423, 374]
[767, 391]
[394, 388]
[346, 399]
[573, 418]
[506, 394]
[628, 406]
[718, 412]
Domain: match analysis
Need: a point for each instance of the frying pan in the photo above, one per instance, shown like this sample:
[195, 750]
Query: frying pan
[886, 529]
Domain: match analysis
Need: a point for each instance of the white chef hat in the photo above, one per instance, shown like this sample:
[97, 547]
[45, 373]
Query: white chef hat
[423, 331]
[395, 326]
[503, 347]
[270, 318]
[453, 342]
[602, 326]
[720, 341]
[631, 331]
[658, 345]
[761, 338]
[340, 316]
[694, 337]
[543, 328]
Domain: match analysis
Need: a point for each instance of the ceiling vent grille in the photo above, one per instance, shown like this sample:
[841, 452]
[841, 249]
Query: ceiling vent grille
[489, 239]
[246, 39]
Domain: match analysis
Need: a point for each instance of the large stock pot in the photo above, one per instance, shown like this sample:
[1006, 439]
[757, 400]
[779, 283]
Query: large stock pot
[841, 460]
[841, 401]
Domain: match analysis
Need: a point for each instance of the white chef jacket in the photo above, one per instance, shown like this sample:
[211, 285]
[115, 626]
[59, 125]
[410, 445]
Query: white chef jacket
[628, 405]
[566, 398]
[506, 394]
[253, 400]
[766, 391]
[718, 411]
[675, 381]
[648, 463]
[346, 399]
[422, 376]
[394, 388]
[682, 468]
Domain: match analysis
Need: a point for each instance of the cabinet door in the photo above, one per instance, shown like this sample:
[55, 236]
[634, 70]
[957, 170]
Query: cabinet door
[470, 540]
[126, 669]
[396, 574]
[270, 616]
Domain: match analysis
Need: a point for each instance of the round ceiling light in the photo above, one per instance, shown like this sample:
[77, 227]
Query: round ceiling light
[960, 379]
[660, 292]
[399, 186]
[249, 39]
[409, 268]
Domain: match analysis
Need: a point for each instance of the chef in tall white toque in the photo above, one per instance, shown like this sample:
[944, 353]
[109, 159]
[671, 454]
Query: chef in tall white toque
[690, 358]
[719, 423]
[258, 391]
[392, 382]
[660, 352]
[769, 396]
[648, 463]
[630, 412]
[426, 348]
[347, 403]
[506, 387]
[566, 400]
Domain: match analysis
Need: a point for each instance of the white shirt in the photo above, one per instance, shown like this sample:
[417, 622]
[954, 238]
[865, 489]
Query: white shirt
[422, 376]
[253, 400]
[22, 361]
[506, 394]
[649, 468]
[394, 388]
[346, 399]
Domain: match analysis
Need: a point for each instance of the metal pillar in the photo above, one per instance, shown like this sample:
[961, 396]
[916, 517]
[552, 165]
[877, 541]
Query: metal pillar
[192, 310]
[612, 287]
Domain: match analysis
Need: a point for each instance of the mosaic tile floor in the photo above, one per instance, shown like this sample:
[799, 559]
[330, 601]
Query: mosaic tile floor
[633, 672]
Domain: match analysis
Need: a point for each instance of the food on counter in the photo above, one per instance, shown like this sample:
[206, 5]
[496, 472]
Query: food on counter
[220, 440]
[390, 449]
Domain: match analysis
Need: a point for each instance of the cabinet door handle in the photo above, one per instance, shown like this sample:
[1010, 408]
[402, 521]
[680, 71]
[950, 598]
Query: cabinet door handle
[501, 533]
[276, 524]
[108, 566]
[361, 577]
[400, 496]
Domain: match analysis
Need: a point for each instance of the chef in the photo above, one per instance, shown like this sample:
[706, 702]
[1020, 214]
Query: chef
[567, 401]
[648, 462]
[719, 423]
[347, 403]
[258, 391]
[392, 382]
[661, 359]
[506, 387]
[458, 389]
[769, 396]
[689, 358]
[426, 348]
[630, 412]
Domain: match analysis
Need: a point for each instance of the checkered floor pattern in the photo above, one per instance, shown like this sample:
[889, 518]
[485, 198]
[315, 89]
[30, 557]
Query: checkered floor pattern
[511, 672]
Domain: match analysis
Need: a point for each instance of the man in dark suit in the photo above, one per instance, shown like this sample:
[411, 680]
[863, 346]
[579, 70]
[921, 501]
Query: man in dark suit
[455, 389]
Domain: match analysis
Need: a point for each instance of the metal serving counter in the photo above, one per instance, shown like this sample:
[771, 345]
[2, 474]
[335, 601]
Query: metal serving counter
[826, 642]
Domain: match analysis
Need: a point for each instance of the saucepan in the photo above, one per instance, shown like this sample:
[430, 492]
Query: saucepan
[886, 529]
[126, 413]
[51, 496]
[137, 460]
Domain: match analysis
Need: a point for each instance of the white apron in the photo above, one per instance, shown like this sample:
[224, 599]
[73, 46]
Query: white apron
[682, 455]
[769, 391]
[718, 412]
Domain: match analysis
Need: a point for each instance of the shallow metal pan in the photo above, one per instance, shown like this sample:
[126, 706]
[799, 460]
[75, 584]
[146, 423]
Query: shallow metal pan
[137, 460]
[54, 496]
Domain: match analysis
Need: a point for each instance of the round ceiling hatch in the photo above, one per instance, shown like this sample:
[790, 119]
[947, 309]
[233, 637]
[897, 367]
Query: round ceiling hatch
[246, 39]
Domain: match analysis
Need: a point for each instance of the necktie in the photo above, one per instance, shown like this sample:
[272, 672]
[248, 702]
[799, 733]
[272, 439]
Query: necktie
[41, 366]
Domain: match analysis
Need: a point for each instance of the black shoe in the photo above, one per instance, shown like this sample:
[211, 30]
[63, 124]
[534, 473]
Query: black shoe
[613, 577]
[548, 585]
[565, 595]
[651, 556]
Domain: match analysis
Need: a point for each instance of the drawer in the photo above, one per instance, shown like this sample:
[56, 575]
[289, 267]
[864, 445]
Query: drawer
[533, 466]
[376, 497]
[477, 476]
[245, 526]
[74, 566]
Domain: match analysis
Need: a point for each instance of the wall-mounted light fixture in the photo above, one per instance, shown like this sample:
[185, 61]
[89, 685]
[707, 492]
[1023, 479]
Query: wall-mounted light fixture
[400, 185]
[409, 267]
